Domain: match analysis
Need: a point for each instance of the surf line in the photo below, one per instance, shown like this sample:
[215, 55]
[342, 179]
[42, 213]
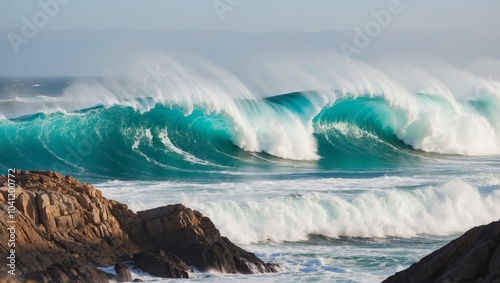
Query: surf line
[11, 221]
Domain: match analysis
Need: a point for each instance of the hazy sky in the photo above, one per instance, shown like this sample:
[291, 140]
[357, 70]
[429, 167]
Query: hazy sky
[254, 15]
[89, 37]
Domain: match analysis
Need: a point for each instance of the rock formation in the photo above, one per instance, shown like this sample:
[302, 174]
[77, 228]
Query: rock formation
[65, 229]
[195, 239]
[161, 264]
[123, 273]
[473, 257]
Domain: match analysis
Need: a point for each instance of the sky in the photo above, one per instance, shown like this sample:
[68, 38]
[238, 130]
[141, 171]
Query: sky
[92, 37]
[254, 15]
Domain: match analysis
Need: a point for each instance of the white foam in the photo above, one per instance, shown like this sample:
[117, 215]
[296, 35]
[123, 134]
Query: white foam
[163, 136]
[448, 209]
[458, 129]
[293, 210]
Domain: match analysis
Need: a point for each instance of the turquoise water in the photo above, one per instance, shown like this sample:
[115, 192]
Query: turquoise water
[335, 185]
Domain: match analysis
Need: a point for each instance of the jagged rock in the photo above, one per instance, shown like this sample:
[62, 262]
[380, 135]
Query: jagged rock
[123, 273]
[194, 238]
[274, 267]
[69, 271]
[132, 224]
[65, 229]
[473, 257]
[52, 226]
[161, 264]
[26, 203]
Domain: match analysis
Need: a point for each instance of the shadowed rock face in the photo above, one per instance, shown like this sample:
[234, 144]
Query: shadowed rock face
[123, 273]
[65, 229]
[195, 239]
[474, 257]
[161, 264]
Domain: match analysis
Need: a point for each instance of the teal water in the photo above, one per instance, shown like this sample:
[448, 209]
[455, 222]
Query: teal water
[330, 130]
[335, 185]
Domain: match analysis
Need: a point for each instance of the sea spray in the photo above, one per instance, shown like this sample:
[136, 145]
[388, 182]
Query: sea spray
[288, 127]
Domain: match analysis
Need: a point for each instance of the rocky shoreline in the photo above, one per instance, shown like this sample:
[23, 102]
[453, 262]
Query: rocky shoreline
[65, 230]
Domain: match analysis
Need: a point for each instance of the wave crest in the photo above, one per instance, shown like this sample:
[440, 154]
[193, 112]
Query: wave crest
[325, 127]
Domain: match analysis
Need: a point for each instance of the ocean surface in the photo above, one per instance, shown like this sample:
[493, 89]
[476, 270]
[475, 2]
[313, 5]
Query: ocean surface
[337, 185]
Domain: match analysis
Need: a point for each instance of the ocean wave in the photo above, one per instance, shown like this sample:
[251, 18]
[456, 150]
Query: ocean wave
[330, 128]
[440, 210]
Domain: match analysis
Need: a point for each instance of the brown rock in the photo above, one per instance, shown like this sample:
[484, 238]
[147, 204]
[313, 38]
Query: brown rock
[131, 224]
[4, 191]
[52, 226]
[123, 273]
[26, 203]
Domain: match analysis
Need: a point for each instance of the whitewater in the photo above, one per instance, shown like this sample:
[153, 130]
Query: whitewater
[344, 177]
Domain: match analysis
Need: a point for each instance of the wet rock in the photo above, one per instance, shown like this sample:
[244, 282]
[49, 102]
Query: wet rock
[473, 257]
[123, 273]
[161, 264]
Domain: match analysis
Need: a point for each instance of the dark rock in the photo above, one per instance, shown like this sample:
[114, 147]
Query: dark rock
[68, 271]
[123, 273]
[495, 261]
[111, 276]
[137, 280]
[472, 257]
[195, 239]
[274, 267]
[161, 264]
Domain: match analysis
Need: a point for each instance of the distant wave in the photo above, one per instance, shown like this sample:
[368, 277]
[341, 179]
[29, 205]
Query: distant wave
[447, 209]
[331, 128]
[35, 99]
